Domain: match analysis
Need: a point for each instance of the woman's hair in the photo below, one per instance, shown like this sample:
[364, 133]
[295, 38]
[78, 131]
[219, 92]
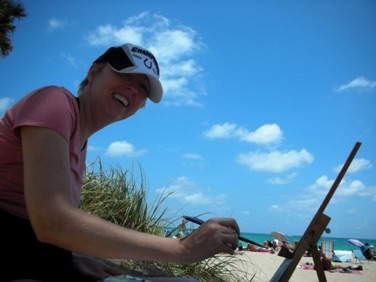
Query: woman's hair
[99, 67]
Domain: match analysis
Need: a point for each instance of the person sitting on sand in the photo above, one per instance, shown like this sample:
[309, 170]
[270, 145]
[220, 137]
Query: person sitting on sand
[253, 248]
[43, 145]
[328, 264]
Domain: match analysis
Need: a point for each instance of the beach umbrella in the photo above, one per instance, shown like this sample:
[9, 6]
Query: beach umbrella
[279, 236]
[355, 243]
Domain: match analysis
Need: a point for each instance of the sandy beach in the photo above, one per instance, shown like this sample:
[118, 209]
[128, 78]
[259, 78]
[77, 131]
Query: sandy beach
[264, 265]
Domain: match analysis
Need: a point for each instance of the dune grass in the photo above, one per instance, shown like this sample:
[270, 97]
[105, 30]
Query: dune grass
[118, 196]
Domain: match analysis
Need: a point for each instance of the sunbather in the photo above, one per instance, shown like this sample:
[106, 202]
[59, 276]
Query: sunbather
[254, 248]
[328, 264]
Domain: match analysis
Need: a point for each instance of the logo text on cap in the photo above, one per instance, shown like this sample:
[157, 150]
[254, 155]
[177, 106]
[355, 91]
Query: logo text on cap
[150, 55]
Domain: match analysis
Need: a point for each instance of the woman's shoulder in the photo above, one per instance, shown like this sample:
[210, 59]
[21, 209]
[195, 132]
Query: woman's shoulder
[50, 95]
[37, 99]
[53, 89]
[44, 106]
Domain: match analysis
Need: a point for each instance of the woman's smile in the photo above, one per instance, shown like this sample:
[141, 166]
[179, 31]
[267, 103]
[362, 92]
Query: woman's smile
[121, 99]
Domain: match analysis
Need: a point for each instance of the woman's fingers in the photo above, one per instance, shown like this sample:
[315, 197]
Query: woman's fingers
[217, 235]
[229, 223]
[231, 240]
[228, 231]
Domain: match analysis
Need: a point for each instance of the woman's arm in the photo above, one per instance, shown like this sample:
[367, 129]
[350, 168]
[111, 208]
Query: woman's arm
[48, 198]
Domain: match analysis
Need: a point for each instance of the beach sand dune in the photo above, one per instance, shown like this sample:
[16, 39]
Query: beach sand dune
[264, 265]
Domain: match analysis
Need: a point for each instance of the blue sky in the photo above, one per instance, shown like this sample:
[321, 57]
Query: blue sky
[264, 101]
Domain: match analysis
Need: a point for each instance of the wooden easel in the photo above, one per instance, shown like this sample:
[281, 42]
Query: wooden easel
[312, 234]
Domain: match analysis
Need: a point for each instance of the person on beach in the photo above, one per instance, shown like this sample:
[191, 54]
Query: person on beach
[368, 252]
[43, 144]
[288, 246]
[329, 264]
[373, 252]
[253, 248]
[182, 228]
[270, 245]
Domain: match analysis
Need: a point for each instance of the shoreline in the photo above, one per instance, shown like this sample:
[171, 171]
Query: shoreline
[264, 265]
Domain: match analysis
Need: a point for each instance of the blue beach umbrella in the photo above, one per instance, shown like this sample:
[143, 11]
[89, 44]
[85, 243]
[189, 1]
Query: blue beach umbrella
[355, 243]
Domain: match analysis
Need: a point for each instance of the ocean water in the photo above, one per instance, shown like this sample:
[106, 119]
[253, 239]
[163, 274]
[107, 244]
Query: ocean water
[341, 246]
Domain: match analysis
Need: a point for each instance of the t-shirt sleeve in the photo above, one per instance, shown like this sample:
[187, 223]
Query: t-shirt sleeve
[50, 107]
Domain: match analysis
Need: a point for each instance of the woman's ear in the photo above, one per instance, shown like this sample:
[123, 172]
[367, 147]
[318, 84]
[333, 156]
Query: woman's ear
[91, 72]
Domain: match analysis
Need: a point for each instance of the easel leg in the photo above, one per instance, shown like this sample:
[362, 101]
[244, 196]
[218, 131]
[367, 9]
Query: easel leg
[318, 264]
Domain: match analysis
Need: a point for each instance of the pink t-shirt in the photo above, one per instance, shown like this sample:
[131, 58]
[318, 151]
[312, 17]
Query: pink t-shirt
[50, 107]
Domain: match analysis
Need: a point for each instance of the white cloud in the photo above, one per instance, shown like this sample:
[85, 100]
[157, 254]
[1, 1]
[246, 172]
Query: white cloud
[359, 83]
[107, 35]
[355, 166]
[92, 148]
[192, 156]
[226, 130]
[303, 203]
[311, 197]
[198, 199]
[351, 211]
[275, 161]
[174, 46]
[282, 181]
[178, 187]
[276, 208]
[266, 134]
[185, 190]
[70, 59]
[123, 148]
[345, 189]
[307, 204]
[5, 103]
[351, 188]
[54, 24]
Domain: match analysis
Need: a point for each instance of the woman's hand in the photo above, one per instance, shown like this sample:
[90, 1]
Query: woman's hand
[93, 269]
[217, 235]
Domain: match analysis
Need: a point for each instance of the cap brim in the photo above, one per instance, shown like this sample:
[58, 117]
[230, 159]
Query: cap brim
[156, 92]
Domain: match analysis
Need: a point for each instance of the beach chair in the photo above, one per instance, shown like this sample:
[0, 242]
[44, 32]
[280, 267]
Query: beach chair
[358, 256]
[328, 248]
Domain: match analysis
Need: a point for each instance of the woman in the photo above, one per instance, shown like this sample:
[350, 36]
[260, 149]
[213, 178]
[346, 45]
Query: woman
[43, 141]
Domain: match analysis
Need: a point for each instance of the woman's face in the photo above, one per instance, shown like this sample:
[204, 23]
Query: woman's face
[116, 96]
